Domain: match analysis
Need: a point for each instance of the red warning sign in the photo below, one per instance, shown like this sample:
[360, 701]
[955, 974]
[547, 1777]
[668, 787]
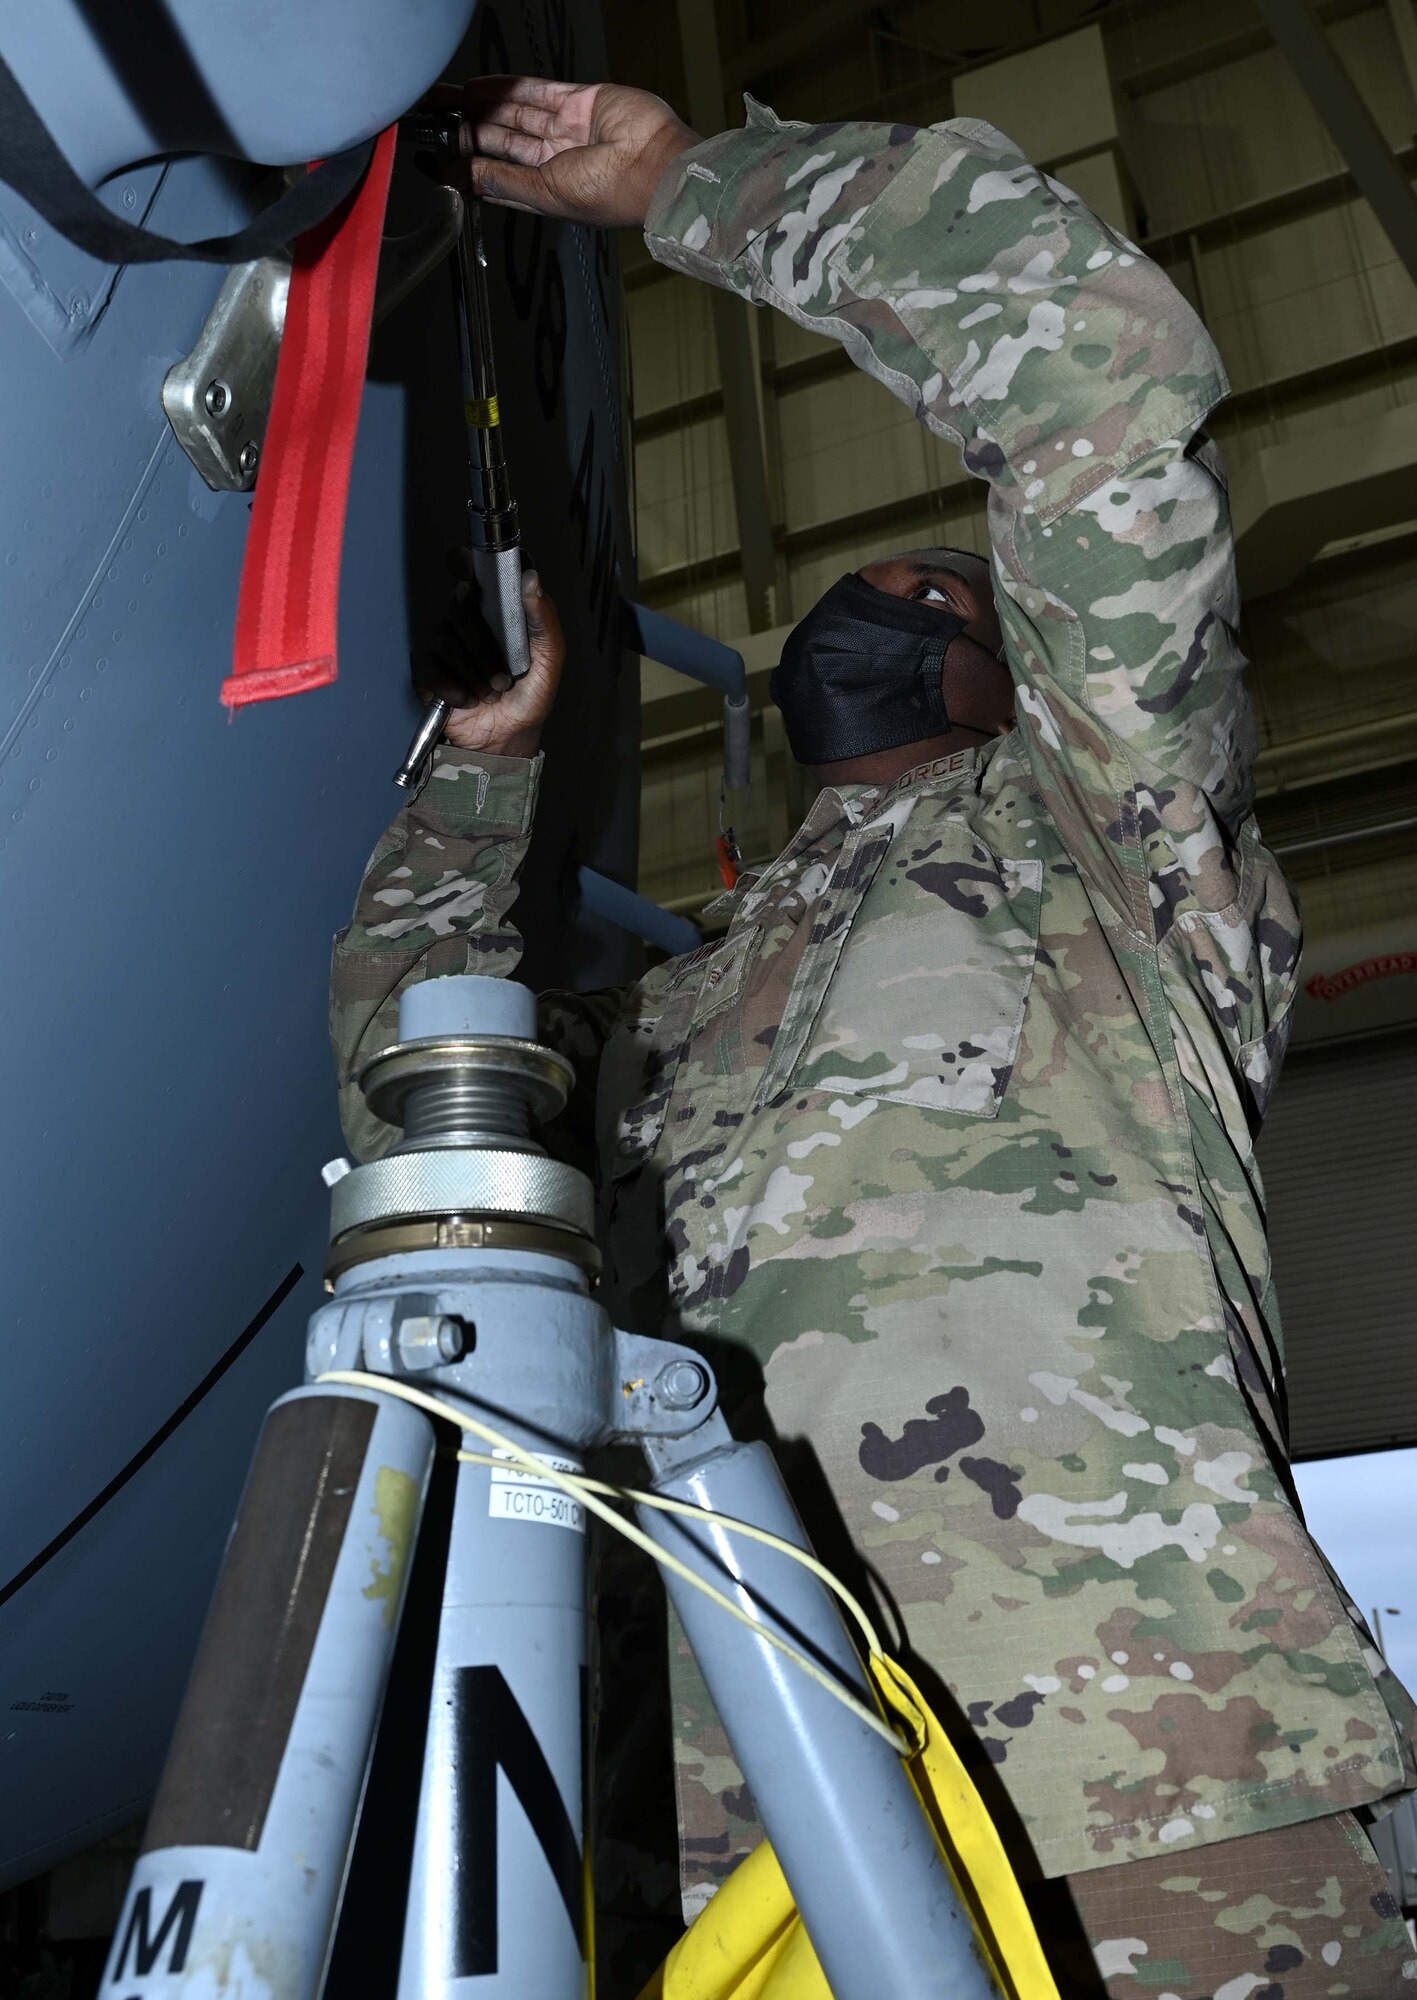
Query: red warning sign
[1333, 985]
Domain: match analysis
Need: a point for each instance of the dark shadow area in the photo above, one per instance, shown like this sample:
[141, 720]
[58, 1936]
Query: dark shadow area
[555, 305]
[634, 1831]
[34, 1968]
[148, 56]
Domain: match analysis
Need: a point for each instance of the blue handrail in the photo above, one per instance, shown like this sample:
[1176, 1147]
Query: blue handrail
[636, 914]
[707, 661]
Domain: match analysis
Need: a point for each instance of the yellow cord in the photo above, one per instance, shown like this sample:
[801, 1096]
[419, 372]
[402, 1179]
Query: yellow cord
[587, 1491]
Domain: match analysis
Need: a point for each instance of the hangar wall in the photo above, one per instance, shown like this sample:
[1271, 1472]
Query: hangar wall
[1204, 144]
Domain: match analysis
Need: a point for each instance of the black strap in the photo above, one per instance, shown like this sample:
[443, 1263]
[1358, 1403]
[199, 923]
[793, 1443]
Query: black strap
[32, 164]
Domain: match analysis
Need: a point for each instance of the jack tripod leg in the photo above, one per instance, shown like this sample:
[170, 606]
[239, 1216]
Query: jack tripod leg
[497, 1906]
[837, 1803]
[243, 1863]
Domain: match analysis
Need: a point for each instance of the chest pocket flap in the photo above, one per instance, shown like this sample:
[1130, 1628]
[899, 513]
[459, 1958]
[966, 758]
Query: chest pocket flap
[926, 1001]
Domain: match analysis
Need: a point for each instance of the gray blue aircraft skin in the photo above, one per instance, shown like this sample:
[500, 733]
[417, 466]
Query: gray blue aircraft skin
[170, 877]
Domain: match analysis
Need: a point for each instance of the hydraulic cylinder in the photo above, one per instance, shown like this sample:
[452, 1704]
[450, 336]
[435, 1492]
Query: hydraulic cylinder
[238, 1885]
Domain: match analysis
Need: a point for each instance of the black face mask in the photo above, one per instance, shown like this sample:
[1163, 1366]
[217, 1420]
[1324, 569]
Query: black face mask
[861, 672]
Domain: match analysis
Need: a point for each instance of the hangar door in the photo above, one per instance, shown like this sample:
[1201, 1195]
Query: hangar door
[1339, 1159]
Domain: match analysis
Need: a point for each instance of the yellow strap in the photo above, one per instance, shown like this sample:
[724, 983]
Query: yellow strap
[748, 1943]
[969, 1838]
[481, 412]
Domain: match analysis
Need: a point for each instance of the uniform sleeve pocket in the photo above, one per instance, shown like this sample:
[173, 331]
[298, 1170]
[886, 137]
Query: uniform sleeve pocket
[1243, 964]
[724, 971]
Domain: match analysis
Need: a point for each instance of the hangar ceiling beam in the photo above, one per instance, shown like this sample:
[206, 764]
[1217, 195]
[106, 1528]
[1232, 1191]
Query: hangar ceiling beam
[736, 339]
[803, 36]
[1350, 124]
[1404, 26]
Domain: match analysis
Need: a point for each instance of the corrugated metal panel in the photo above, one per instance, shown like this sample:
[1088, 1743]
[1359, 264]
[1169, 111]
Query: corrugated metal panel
[1395, 1838]
[1339, 1157]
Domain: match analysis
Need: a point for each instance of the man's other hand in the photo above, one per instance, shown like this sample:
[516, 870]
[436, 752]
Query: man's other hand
[591, 152]
[463, 665]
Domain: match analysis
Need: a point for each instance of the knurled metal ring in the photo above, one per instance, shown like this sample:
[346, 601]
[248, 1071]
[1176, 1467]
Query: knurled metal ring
[463, 1181]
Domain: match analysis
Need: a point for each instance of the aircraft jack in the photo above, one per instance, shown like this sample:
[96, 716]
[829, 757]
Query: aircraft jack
[462, 1265]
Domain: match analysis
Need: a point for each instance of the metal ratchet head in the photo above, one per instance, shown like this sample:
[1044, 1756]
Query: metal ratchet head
[420, 748]
[433, 129]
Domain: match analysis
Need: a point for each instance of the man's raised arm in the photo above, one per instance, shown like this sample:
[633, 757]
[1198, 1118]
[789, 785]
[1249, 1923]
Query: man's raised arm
[1074, 378]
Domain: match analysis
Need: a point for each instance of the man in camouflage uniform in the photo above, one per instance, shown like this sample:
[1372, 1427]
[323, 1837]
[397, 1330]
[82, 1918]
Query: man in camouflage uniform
[950, 1140]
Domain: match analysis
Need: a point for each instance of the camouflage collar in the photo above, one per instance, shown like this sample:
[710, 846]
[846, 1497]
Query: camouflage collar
[938, 767]
[857, 801]
[853, 805]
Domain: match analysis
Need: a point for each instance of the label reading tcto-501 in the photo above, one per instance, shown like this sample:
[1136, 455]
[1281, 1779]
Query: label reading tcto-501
[515, 1495]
